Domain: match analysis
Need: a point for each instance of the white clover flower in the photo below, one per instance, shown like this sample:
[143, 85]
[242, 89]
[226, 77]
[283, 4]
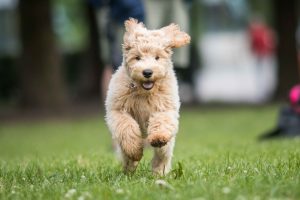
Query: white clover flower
[70, 193]
[119, 191]
[226, 190]
[81, 198]
[164, 184]
[84, 196]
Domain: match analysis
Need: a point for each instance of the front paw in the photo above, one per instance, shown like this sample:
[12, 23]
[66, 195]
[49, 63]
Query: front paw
[159, 139]
[133, 150]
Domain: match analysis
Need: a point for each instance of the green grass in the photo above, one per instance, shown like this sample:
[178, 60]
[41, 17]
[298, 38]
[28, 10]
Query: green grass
[217, 156]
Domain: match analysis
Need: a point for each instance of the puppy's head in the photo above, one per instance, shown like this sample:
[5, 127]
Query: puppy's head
[147, 53]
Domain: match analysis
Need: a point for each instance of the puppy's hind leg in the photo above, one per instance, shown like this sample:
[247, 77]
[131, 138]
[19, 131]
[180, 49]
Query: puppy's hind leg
[129, 165]
[161, 162]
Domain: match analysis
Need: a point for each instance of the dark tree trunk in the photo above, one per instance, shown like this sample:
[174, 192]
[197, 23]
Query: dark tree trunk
[285, 14]
[92, 70]
[41, 72]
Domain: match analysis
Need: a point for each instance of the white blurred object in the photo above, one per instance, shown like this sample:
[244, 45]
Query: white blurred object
[231, 73]
[8, 4]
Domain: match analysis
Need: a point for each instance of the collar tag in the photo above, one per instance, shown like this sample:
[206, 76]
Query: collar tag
[132, 86]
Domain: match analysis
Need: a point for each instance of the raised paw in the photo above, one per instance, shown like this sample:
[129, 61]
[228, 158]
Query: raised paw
[158, 140]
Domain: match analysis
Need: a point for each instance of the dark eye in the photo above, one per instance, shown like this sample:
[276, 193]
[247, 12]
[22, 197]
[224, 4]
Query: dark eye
[157, 58]
[138, 58]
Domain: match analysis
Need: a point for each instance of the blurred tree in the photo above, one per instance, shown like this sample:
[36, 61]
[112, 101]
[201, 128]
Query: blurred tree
[89, 85]
[41, 73]
[285, 15]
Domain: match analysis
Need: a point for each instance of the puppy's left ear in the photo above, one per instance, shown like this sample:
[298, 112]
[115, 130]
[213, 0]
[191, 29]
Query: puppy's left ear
[175, 37]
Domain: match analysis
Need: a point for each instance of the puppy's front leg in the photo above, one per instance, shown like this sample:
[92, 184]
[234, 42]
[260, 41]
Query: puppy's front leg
[126, 132]
[162, 129]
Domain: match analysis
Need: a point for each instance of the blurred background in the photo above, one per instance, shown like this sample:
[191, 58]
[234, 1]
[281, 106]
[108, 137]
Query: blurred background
[57, 56]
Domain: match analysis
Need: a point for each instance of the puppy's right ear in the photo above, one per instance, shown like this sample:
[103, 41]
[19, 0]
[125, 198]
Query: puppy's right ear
[132, 24]
[132, 27]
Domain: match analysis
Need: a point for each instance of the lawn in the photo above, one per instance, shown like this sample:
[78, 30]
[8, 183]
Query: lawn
[217, 156]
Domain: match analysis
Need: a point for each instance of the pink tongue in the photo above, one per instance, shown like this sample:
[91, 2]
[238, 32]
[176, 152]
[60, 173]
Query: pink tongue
[147, 85]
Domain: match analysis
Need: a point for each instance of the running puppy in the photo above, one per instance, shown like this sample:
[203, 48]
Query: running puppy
[142, 101]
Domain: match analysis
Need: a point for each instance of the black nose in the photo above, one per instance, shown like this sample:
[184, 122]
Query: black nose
[147, 73]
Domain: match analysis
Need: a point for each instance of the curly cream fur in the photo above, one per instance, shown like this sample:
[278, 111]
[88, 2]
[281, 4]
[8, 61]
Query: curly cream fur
[134, 114]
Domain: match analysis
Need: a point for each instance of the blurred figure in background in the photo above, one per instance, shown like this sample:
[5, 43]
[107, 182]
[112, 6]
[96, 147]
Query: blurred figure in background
[161, 13]
[111, 17]
[262, 43]
[288, 124]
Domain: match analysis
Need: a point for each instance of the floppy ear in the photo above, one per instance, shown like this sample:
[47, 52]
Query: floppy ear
[132, 24]
[132, 27]
[175, 37]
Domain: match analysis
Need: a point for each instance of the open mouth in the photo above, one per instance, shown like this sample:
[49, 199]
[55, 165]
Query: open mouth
[148, 85]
